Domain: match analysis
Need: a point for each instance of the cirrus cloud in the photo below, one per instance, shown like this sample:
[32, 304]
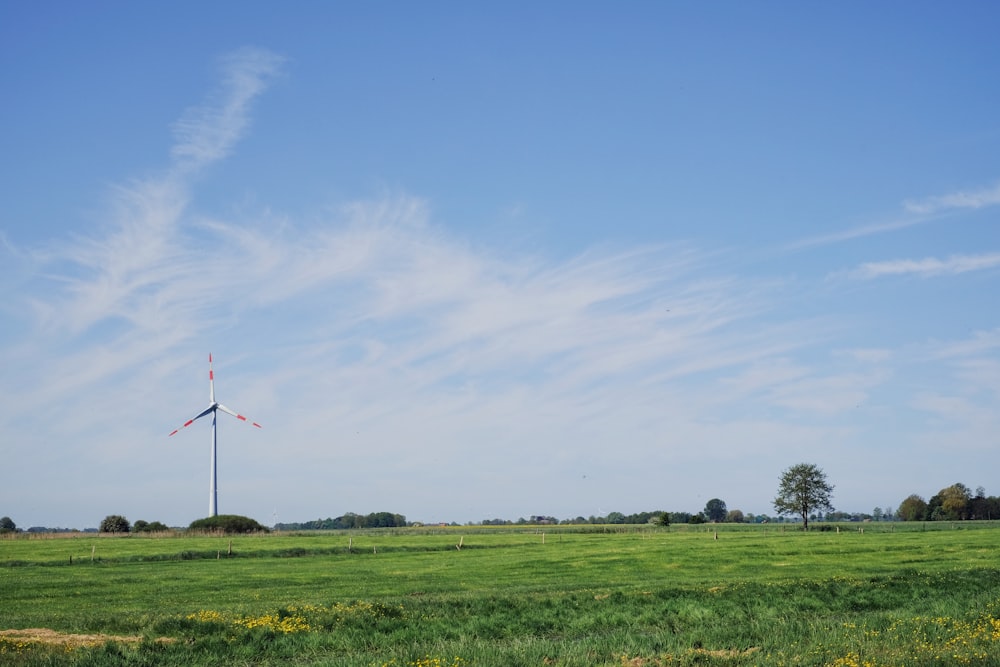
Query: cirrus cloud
[929, 266]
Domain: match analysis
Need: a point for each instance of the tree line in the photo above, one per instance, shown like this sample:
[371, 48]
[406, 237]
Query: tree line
[952, 503]
[348, 521]
[656, 517]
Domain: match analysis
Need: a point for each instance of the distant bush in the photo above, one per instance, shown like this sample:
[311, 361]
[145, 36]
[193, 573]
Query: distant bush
[141, 526]
[228, 523]
[114, 524]
[7, 525]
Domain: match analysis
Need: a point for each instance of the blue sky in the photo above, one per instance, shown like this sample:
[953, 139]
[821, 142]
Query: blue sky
[467, 261]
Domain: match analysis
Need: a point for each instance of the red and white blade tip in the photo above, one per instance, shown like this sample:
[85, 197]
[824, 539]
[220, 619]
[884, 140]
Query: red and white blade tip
[211, 380]
[185, 425]
[244, 419]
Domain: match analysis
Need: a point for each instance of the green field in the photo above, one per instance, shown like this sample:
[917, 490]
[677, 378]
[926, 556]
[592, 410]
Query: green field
[636, 596]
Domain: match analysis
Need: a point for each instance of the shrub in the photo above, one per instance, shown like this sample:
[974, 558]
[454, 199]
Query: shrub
[228, 523]
[141, 526]
[114, 524]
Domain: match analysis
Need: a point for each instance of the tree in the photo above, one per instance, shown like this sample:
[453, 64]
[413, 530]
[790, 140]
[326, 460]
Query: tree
[955, 500]
[114, 523]
[735, 516]
[983, 507]
[914, 508]
[715, 510]
[803, 489]
[935, 511]
[7, 525]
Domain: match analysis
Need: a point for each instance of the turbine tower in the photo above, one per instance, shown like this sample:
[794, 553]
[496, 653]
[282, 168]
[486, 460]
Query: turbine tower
[213, 408]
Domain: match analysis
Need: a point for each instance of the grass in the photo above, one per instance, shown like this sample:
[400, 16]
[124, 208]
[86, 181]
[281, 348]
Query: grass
[635, 597]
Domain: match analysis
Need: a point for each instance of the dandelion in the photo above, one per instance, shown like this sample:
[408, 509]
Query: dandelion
[206, 616]
[274, 622]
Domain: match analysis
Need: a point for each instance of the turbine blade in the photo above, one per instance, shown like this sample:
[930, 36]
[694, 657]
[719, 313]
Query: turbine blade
[194, 419]
[211, 380]
[238, 416]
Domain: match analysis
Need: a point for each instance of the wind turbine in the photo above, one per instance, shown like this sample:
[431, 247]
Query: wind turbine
[213, 407]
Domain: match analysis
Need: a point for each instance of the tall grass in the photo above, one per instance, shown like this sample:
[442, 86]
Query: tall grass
[512, 597]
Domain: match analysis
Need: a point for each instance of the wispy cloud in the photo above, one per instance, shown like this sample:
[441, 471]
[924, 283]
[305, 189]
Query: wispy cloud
[928, 266]
[857, 232]
[130, 270]
[378, 278]
[977, 344]
[970, 199]
[915, 212]
[135, 283]
[206, 133]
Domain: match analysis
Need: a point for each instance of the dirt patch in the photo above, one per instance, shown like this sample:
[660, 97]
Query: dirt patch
[726, 654]
[696, 653]
[51, 637]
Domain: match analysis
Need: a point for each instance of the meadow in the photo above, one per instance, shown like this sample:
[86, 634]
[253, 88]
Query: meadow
[872, 594]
